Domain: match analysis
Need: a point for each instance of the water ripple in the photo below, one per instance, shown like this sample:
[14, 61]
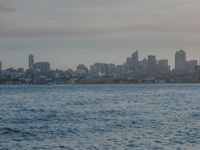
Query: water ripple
[153, 117]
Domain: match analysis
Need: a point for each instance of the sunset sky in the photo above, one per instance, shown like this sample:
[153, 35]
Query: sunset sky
[70, 32]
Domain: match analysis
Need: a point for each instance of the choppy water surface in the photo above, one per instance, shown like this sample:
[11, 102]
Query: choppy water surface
[93, 117]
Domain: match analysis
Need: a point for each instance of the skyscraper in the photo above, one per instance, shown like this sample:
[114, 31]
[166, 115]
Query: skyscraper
[192, 65]
[180, 61]
[31, 62]
[129, 63]
[163, 66]
[151, 63]
[0, 69]
[135, 60]
[135, 57]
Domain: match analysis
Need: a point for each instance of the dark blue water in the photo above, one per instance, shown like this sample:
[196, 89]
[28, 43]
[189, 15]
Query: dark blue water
[139, 117]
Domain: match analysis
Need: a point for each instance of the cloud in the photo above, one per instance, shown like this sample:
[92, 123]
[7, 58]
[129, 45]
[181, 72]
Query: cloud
[4, 8]
[98, 25]
[35, 18]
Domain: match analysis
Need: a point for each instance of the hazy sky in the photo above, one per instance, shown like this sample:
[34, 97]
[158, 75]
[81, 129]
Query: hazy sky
[70, 32]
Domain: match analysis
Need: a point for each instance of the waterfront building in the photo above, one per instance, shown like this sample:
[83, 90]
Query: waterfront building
[119, 71]
[192, 66]
[180, 62]
[93, 71]
[81, 71]
[135, 57]
[142, 67]
[163, 66]
[42, 67]
[132, 63]
[82, 67]
[102, 69]
[129, 64]
[145, 63]
[111, 70]
[152, 64]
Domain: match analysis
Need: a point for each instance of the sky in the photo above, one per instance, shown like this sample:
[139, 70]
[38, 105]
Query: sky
[71, 32]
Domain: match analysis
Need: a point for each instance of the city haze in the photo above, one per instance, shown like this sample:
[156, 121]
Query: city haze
[67, 33]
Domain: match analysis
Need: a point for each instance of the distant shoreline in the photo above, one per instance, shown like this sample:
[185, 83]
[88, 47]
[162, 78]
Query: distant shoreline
[109, 83]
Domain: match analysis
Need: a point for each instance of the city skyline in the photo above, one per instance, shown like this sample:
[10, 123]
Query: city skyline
[140, 58]
[180, 60]
[99, 74]
[96, 30]
[132, 70]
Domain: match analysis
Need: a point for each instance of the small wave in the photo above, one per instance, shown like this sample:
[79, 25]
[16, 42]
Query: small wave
[7, 130]
[16, 133]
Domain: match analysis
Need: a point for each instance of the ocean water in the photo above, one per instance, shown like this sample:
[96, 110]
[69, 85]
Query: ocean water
[135, 117]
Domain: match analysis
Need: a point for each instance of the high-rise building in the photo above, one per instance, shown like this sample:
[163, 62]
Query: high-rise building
[145, 63]
[0, 70]
[102, 68]
[192, 65]
[180, 61]
[31, 62]
[129, 64]
[93, 71]
[111, 70]
[43, 67]
[163, 66]
[152, 63]
[135, 59]
[119, 70]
